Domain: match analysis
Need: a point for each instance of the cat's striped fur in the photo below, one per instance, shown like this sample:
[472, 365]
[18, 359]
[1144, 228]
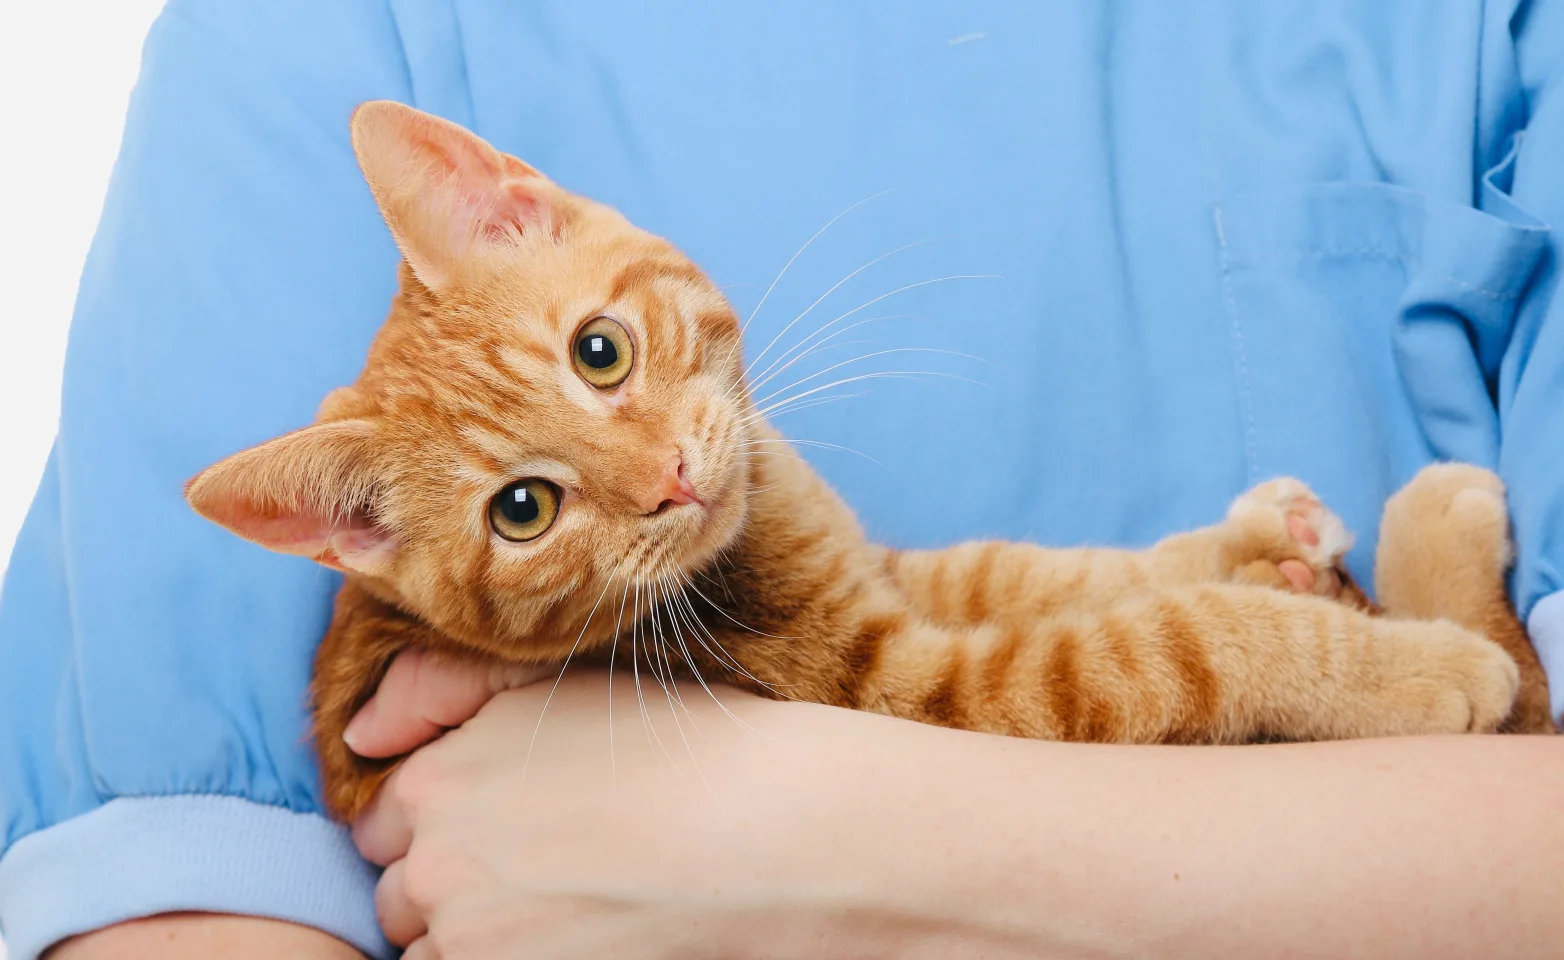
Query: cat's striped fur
[1242, 631]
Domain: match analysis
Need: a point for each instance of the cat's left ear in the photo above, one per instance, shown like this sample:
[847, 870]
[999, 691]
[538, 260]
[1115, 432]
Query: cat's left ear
[446, 194]
[306, 493]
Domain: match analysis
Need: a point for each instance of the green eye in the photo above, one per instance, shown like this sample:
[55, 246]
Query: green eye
[524, 510]
[603, 353]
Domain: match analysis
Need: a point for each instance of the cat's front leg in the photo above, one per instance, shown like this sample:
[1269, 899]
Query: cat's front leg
[1213, 663]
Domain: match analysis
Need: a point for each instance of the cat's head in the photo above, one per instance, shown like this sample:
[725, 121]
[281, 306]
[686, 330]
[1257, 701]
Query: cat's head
[554, 409]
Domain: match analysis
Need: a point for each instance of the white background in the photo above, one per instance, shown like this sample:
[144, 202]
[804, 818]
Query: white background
[66, 70]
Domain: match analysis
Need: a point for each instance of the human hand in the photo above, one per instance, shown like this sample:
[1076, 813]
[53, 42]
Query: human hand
[534, 829]
[422, 695]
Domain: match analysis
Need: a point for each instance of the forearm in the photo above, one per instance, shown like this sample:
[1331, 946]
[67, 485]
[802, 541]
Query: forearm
[949, 844]
[198, 936]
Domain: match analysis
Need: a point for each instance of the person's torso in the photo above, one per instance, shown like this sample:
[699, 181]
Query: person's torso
[1211, 242]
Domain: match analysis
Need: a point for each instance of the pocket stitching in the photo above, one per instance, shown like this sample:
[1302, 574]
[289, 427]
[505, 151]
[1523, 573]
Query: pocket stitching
[1378, 253]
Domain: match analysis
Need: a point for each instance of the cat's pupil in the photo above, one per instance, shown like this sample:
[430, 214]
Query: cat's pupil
[597, 352]
[521, 507]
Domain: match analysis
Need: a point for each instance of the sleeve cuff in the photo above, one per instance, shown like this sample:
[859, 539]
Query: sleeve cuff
[1546, 626]
[139, 856]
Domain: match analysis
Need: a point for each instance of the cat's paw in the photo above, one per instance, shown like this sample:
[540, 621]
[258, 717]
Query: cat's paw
[1283, 536]
[1452, 510]
[1444, 545]
[1460, 683]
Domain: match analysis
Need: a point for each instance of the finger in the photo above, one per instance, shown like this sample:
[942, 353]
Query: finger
[402, 922]
[420, 696]
[384, 831]
[420, 949]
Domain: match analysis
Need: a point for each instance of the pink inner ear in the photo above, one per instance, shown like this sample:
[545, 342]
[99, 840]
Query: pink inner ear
[303, 534]
[351, 542]
[496, 194]
[367, 549]
[516, 209]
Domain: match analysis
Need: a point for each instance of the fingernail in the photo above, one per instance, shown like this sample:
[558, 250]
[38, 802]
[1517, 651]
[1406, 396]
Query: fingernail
[354, 731]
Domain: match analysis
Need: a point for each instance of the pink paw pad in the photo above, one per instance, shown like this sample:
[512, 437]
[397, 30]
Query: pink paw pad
[1306, 519]
[1298, 526]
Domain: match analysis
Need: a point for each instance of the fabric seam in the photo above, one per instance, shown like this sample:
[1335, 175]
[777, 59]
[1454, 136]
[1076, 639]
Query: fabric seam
[1240, 353]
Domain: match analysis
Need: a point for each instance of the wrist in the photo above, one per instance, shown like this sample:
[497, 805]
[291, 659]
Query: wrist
[883, 837]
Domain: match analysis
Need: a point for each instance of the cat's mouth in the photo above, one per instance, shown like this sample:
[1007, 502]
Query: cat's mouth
[698, 526]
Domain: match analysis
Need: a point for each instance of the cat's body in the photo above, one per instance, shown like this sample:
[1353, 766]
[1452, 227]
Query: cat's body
[664, 526]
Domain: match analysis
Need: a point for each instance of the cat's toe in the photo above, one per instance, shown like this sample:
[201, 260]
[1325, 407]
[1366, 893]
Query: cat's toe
[1444, 543]
[1449, 511]
[1291, 528]
[1490, 685]
[1443, 679]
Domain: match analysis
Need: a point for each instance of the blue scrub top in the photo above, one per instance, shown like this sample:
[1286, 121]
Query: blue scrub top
[1212, 241]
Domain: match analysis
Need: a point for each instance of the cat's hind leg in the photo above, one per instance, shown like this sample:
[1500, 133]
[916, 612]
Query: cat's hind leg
[1444, 551]
[1277, 534]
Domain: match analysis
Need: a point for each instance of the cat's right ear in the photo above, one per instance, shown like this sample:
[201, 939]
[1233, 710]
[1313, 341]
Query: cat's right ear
[305, 493]
[446, 194]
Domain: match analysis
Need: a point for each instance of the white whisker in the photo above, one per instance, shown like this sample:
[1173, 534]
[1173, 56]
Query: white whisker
[743, 328]
[834, 287]
[527, 761]
[858, 359]
[876, 375]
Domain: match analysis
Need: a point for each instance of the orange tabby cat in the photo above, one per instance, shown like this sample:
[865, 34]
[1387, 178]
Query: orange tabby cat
[550, 452]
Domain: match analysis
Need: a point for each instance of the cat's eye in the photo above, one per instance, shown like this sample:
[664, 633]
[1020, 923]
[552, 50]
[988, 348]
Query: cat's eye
[523, 510]
[603, 353]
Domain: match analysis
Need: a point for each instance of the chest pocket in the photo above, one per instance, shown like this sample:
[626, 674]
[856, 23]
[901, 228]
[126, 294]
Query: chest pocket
[1371, 319]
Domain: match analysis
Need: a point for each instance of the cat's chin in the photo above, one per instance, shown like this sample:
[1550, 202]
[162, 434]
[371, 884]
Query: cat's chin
[703, 531]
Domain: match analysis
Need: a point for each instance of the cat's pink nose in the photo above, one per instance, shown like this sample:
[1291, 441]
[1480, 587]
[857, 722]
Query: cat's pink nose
[671, 489]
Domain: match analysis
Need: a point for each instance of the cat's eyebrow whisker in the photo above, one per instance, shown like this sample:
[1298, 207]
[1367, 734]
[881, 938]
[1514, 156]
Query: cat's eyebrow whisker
[818, 401]
[805, 342]
[814, 350]
[787, 266]
[813, 443]
[876, 375]
[859, 359]
[527, 761]
[774, 453]
[862, 357]
[822, 344]
[902, 289]
[834, 287]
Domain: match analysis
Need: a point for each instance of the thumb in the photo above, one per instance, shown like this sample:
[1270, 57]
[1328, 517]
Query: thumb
[421, 695]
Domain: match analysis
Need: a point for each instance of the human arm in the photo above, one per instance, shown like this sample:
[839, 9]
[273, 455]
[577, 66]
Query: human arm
[200, 936]
[152, 668]
[890, 838]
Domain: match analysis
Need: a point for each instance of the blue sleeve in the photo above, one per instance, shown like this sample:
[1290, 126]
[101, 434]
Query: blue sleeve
[1531, 377]
[154, 754]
